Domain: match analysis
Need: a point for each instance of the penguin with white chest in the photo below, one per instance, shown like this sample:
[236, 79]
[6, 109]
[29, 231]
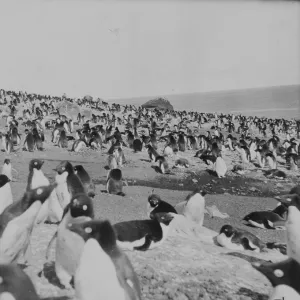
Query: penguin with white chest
[104, 271]
[7, 169]
[86, 180]
[143, 235]
[51, 211]
[15, 284]
[16, 224]
[68, 183]
[238, 239]
[292, 226]
[284, 277]
[193, 207]
[69, 245]
[156, 205]
[220, 167]
[6, 197]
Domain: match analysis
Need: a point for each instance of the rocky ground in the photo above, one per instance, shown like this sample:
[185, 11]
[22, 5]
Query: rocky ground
[184, 267]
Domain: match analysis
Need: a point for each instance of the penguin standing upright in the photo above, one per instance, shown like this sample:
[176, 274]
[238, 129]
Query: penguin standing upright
[29, 141]
[193, 207]
[113, 276]
[6, 197]
[220, 167]
[284, 277]
[15, 284]
[143, 235]
[63, 140]
[68, 244]
[68, 183]
[163, 165]
[86, 180]
[16, 224]
[114, 183]
[7, 169]
[51, 209]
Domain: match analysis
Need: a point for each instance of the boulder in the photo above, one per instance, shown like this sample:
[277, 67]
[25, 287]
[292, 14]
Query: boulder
[159, 103]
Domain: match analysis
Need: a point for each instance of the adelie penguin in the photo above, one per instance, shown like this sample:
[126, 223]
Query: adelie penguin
[114, 183]
[220, 167]
[15, 284]
[112, 275]
[7, 169]
[152, 153]
[16, 224]
[193, 207]
[51, 210]
[163, 165]
[6, 197]
[284, 277]
[86, 180]
[69, 245]
[29, 141]
[238, 239]
[143, 235]
[156, 205]
[68, 183]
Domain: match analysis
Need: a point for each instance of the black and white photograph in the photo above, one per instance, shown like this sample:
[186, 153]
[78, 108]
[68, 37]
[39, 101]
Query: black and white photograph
[149, 150]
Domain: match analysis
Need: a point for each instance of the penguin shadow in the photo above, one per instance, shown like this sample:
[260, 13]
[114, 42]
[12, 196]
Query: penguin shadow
[156, 169]
[106, 168]
[248, 258]
[251, 294]
[211, 173]
[50, 274]
[146, 160]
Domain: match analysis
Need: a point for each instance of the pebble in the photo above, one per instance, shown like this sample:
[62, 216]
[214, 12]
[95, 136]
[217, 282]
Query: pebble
[194, 180]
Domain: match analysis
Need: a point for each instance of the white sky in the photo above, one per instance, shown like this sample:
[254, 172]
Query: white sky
[141, 48]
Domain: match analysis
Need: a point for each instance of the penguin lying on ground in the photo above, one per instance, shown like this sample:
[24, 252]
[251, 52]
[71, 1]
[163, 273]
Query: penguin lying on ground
[182, 163]
[15, 284]
[156, 205]
[113, 276]
[284, 277]
[86, 180]
[16, 224]
[69, 245]
[238, 239]
[6, 197]
[143, 235]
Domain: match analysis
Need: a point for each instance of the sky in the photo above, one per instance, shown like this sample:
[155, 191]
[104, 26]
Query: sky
[113, 49]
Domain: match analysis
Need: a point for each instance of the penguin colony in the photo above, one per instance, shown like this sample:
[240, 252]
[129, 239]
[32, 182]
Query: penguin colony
[68, 202]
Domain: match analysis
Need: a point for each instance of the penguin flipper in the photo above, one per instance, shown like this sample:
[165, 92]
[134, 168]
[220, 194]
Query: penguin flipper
[146, 245]
[49, 246]
[246, 244]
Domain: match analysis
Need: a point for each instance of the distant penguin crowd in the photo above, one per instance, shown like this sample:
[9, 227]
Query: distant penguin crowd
[162, 138]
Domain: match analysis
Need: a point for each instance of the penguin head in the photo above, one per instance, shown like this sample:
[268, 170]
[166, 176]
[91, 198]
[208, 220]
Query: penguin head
[164, 218]
[154, 200]
[290, 200]
[228, 230]
[80, 206]
[7, 161]
[39, 194]
[78, 168]
[281, 273]
[64, 166]
[35, 164]
[4, 180]
[102, 231]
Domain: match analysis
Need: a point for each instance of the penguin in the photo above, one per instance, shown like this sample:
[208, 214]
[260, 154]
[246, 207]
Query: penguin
[29, 141]
[68, 245]
[137, 145]
[63, 140]
[156, 205]
[238, 239]
[182, 163]
[7, 169]
[7, 143]
[16, 224]
[68, 183]
[78, 145]
[56, 135]
[112, 162]
[143, 235]
[265, 220]
[292, 226]
[51, 210]
[284, 277]
[220, 167]
[163, 165]
[152, 153]
[6, 197]
[86, 180]
[113, 276]
[114, 183]
[193, 207]
[15, 284]
[168, 151]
